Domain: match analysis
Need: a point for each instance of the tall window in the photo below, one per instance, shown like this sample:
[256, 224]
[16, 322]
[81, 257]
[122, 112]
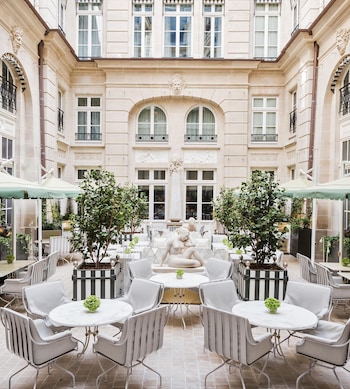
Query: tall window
[8, 89]
[89, 29]
[293, 113]
[89, 119]
[143, 30]
[213, 30]
[266, 30]
[295, 15]
[344, 107]
[199, 194]
[264, 119]
[152, 184]
[200, 125]
[177, 30]
[62, 4]
[60, 112]
[152, 125]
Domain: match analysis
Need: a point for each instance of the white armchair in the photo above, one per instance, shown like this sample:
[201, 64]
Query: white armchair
[315, 298]
[143, 334]
[329, 345]
[34, 342]
[340, 291]
[40, 299]
[230, 337]
[218, 269]
[13, 286]
[307, 270]
[143, 295]
[141, 268]
[51, 262]
[219, 294]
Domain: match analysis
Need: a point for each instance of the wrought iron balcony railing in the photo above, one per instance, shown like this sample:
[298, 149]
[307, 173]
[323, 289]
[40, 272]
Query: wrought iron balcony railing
[264, 137]
[88, 136]
[151, 137]
[200, 138]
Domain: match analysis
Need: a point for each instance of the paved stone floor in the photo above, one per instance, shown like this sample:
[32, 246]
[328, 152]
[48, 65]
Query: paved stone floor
[182, 362]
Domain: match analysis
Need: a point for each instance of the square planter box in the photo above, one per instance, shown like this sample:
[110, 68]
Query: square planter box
[258, 284]
[104, 283]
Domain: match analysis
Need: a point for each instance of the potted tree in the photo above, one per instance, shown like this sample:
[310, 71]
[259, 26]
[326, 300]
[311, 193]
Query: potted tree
[252, 219]
[103, 212]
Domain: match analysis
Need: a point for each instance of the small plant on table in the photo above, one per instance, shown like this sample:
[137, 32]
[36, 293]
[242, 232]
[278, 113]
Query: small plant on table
[272, 304]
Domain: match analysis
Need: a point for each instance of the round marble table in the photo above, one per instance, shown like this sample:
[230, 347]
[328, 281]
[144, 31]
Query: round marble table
[74, 314]
[189, 280]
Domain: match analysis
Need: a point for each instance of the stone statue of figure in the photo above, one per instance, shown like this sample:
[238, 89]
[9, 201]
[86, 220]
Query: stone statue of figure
[181, 251]
[191, 224]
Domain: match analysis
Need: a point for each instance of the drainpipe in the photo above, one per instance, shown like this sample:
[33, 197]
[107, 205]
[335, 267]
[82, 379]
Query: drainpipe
[311, 149]
[41, 106]
[42, 139]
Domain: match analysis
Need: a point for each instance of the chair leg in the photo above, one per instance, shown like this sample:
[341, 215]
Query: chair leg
[312, 365]
[18, 371]
[212, 371]
[154, 371]
[66, 371]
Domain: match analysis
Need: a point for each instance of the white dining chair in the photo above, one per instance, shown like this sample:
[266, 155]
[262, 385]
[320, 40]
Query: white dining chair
[51, 261]
[141, 268]
[142, 335]
[13, 286]
[315, 298]
[230, 336]
[328, 347]
[219, 294]
[307, 269]
[143, 295]
[40, 299]
[340, 291]
[34, 342]
[218, 269]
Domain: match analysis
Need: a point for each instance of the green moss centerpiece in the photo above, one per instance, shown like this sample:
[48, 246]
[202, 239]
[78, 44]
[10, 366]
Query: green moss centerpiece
[272, 304]
[179, 273]
[92, 303]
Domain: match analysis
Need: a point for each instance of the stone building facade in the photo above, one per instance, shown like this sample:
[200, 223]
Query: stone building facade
[181, 97]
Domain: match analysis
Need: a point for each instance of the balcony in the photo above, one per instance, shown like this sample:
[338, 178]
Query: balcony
[264, 138]
[200, 138]
[8, 95]
[293, 121]
[344, 105]
[87, 136]
[151, 137]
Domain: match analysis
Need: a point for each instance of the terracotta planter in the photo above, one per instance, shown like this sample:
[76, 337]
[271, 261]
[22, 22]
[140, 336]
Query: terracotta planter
[260, 283]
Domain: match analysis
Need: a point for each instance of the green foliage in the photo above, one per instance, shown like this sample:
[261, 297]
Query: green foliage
[345, 261]
[253, 216]
[179, 273]
[297, 219]
[272, 304]
[92, 303]
[104, 209]
[24, 240]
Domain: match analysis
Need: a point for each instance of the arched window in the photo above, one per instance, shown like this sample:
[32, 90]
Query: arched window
[152, 125]
[8, 89]
[200, 125]
[344, 107]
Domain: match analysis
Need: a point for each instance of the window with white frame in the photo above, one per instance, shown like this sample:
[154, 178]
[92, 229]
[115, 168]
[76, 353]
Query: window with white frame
[62, 5]
[152, 125]
[60, 112]
[266, 29]
[199, 187]
[293, 113]
[89, 119]
[264, 119]
[295, 15]
[200, 125]
[344, 101]
[7, 89]
[143, 14]
[89, 15]
[152, 184]
[213, 22]
[81, 172]
[177, 29]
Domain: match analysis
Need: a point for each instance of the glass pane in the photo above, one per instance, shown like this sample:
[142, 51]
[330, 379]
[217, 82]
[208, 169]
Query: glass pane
[207, 212]
[158, 211]
[258, 102]
[257, 118]
[145, 190]
[191, 175]
[95, 102]
[159, 115]
[191, 210]
[271, 102]
[207, 194]
[143, 174]
[83, 22]
[159, 193]
[82, 118]
[159, 174]
[208, 175]
[82, 102]
[95, 118]
[271, 119]
[259, 23]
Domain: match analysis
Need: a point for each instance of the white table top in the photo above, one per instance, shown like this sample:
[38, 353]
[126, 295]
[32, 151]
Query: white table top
[288, 316]
[335, 266]
[9, 268]
[345, 275]
[189, 280]
[74, 314]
